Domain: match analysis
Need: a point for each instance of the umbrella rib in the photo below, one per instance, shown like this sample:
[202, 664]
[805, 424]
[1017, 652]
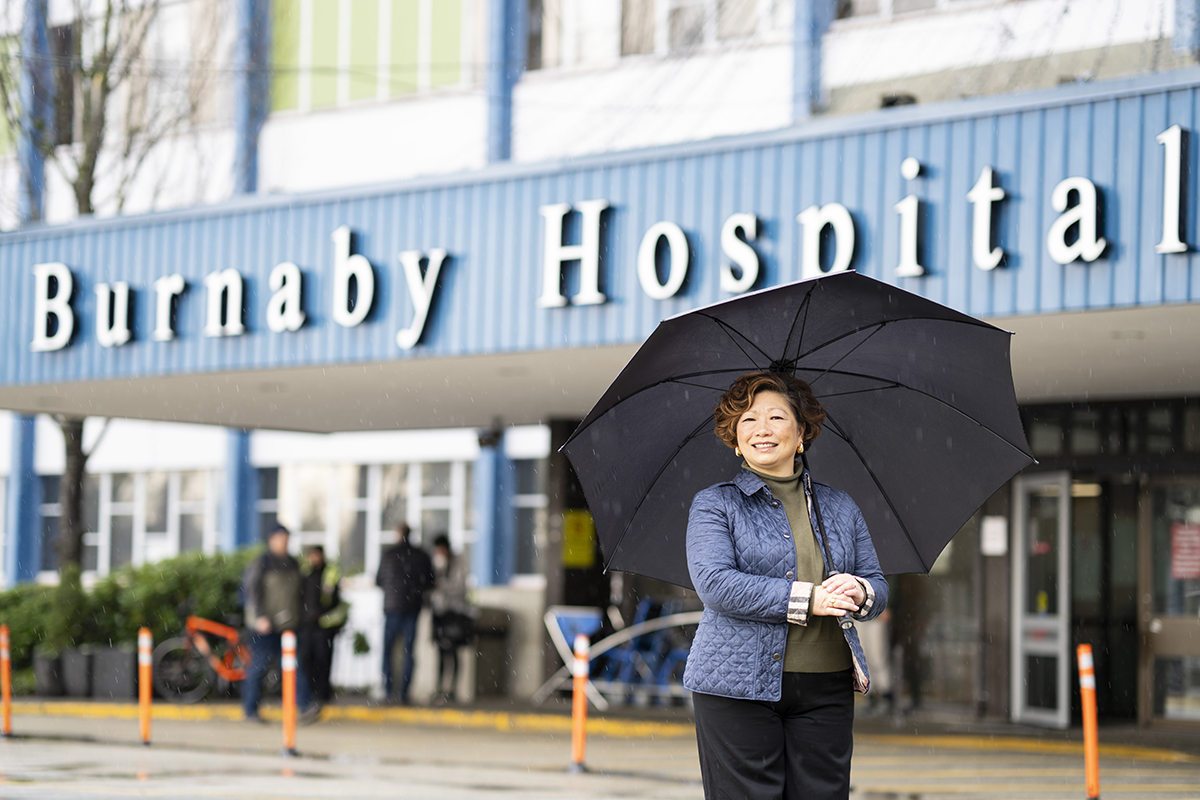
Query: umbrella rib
[853, 331]
[729, 331]
[802, 310]
[893, 384]
[879, 326]
[666, 463]
[883, 492]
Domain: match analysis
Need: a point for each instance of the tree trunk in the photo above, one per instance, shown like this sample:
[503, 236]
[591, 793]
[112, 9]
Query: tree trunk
[70, 495]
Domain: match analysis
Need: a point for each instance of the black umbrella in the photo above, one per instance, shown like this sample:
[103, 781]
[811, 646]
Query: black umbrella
[922, 422]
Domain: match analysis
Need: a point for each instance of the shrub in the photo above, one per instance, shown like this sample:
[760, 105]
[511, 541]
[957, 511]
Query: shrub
[159, 596]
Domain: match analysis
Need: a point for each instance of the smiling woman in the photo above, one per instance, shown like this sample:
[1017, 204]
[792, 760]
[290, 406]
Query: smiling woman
[782, 697]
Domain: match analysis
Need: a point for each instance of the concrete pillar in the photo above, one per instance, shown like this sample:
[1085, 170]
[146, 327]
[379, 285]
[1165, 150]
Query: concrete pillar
[812, 19]
[251, 89]
[36, 90]
[239, 522]
[494, 551]
[506, 62]
[23, 496]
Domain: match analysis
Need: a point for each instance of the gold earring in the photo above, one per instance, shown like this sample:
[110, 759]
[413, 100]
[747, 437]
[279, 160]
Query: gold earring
[737, 451]
[800, 449]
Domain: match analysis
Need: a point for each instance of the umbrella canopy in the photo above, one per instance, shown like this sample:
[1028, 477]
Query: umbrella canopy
[922, 422]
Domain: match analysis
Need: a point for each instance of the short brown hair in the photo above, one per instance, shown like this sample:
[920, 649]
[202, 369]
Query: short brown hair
[738, 398]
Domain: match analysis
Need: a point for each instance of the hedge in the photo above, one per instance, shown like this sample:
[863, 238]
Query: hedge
[159, 596]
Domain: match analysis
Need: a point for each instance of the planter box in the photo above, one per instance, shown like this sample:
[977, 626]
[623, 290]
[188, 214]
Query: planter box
[114, 673]
[47, 674]
[77, 671]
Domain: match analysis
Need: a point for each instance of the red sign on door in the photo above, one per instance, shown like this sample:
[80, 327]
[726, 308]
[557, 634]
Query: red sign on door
[1185, 552]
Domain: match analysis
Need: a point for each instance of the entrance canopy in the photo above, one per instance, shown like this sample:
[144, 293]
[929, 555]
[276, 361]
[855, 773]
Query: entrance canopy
[519, 292]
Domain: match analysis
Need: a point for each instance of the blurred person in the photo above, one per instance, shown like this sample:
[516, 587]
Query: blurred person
[405, 574]
[271, 587]
[453, 625]
[323, 614]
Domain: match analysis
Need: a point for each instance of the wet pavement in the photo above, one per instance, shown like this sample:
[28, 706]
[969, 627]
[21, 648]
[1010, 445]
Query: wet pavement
[481, 754]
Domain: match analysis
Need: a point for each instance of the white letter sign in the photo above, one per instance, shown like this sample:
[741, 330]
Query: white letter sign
[348, 267]
[166, 289]
[814, 220]
[1172, 140]
[57, 305]
[983, 194]
[224, 303]
[420, 289]
[1087, 246]
[739, 253]
[112, 314]
[285, 311]
[678, 259]
[910, 224]
[587, 253]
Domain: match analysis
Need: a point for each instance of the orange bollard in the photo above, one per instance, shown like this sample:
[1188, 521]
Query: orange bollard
[5, 682]
[145, 681]
[289, 693]
[1091, 736]
[580, 670]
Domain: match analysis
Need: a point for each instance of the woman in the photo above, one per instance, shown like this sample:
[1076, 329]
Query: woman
[779, 562]
[452, 622]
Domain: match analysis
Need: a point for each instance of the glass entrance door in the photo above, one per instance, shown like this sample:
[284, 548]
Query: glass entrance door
[1169, 618]
[1041, 615]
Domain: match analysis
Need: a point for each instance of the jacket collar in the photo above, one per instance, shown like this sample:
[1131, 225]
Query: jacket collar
[750, 483]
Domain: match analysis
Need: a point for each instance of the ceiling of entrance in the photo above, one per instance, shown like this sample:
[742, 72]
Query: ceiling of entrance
[1096, 355]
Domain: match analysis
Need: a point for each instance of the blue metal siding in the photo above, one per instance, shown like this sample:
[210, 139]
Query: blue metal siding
[489, 223]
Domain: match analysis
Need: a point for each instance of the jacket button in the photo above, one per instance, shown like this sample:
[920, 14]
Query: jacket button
[776, 656]
[775, 504]
[791, 574]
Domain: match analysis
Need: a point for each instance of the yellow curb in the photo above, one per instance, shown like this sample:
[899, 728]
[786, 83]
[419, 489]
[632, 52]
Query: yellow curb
[557, 723]
[503, 721]
[200, 713]
[1031, 746]
[446, 717]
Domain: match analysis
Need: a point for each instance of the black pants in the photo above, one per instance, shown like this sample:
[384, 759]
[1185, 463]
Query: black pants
[315, 651]
[798, 747]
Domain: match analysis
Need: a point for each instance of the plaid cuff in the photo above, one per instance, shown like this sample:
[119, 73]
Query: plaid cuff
[868, 602]
[799, 603]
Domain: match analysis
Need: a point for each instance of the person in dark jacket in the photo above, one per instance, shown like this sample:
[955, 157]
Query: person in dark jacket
[405, 574]
[782, 565]
[323, 614]
[271, 587]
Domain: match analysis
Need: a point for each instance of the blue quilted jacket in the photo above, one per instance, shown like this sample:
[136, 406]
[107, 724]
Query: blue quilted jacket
[742, 565]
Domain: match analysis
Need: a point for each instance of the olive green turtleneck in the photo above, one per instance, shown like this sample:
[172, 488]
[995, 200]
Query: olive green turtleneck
[819, 646]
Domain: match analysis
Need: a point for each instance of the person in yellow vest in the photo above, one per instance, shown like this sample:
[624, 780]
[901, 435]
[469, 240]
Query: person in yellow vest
[323, 614]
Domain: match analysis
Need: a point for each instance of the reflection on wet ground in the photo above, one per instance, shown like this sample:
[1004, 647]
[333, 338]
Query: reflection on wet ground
[338, 762]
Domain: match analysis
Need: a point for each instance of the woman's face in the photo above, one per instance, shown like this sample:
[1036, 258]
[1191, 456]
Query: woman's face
[768, 434]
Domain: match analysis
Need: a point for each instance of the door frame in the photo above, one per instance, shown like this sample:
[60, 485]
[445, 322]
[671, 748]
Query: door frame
[1155, 630]
[1060, 625]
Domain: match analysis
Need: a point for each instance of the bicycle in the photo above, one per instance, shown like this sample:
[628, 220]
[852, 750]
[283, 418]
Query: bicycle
[209, 654]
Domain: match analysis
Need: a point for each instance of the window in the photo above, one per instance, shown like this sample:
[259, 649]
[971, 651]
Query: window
[267, 505]
[529, 508]
[856, 8]
[352, 512]
[637, 27]
[326, 53]
[133, 518]
[51, 511]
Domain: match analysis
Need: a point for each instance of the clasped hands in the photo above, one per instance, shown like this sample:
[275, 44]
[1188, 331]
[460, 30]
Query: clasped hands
[836, 595]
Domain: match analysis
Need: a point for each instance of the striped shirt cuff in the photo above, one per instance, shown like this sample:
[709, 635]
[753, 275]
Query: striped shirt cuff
[869, 601]
[799, 603]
